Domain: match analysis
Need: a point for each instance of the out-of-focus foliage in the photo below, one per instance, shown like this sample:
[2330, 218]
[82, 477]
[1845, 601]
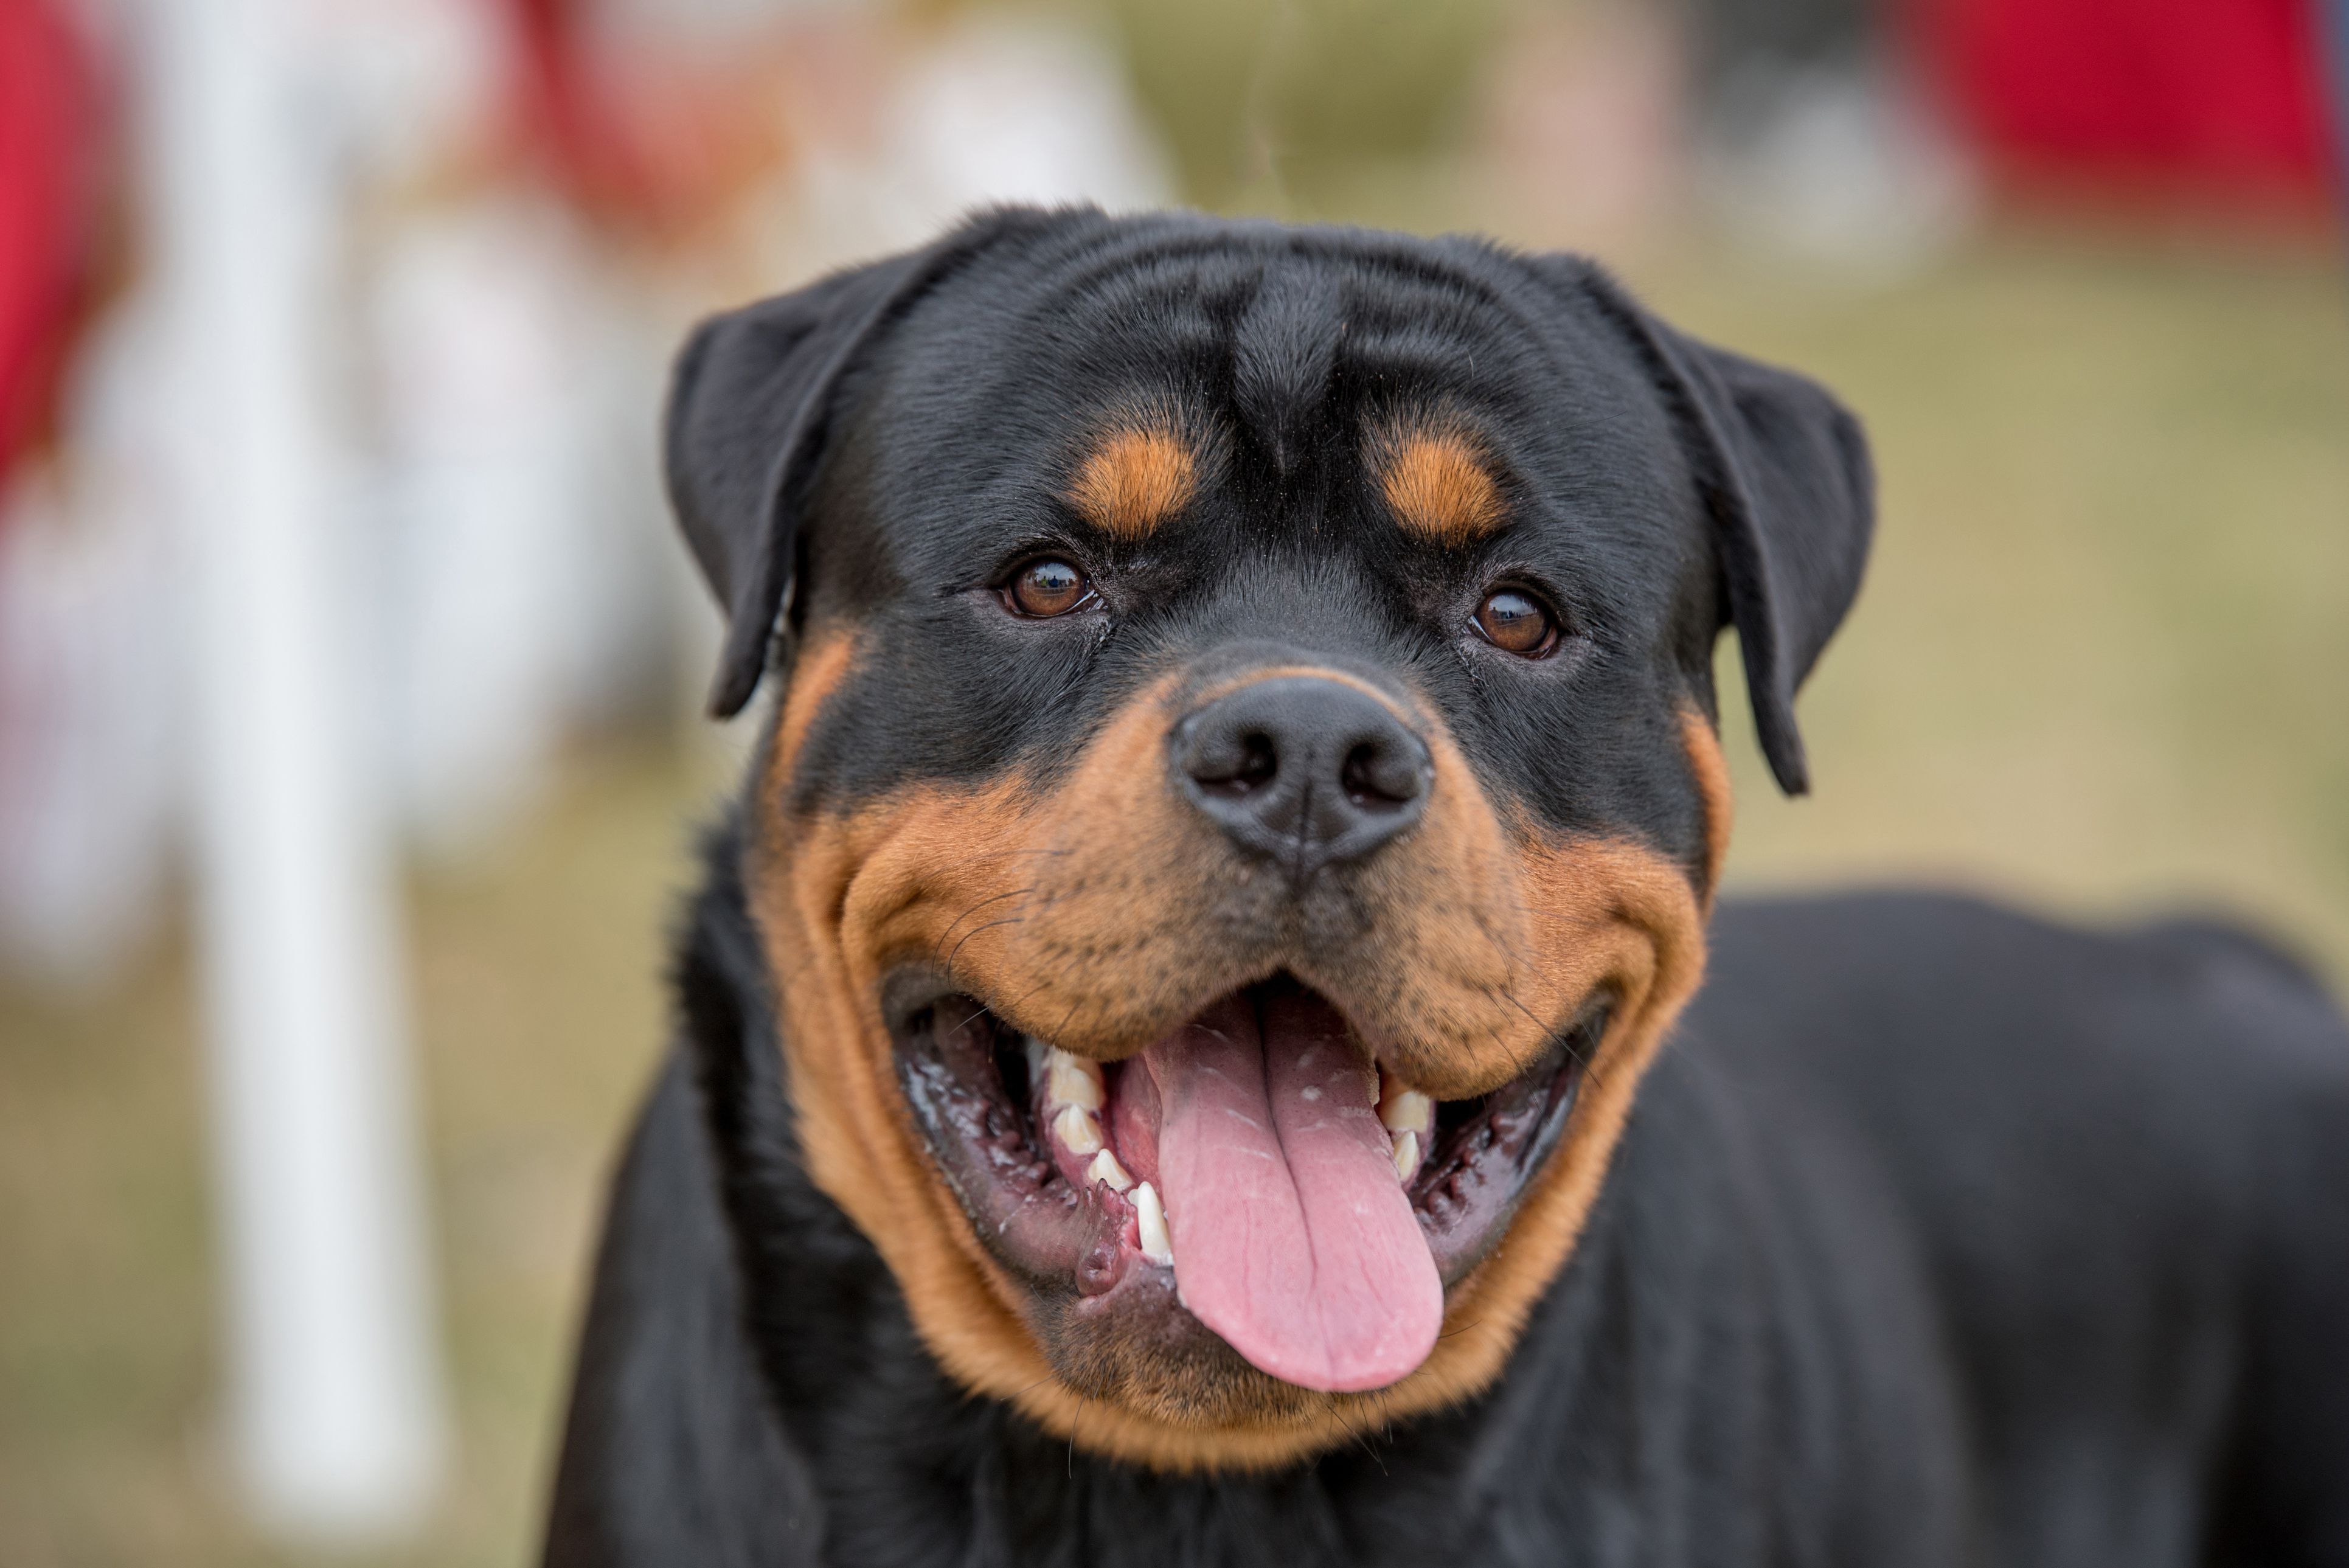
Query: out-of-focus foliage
[1275, 103]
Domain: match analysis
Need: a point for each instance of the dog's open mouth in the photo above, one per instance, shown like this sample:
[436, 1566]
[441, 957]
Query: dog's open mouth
[1312, 1207]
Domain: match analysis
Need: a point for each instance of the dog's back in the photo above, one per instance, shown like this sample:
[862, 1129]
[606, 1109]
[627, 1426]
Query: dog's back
[2111, 1171]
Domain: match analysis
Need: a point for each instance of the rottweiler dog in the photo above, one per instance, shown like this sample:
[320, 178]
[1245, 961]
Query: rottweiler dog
[1191, 1050]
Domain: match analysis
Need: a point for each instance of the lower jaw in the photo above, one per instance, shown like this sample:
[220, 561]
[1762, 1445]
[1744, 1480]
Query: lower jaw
[1137, 1348]
[1108, 1316]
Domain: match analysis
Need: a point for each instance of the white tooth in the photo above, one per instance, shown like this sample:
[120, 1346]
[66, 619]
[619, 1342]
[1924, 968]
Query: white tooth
[1150, 1220]
[1039, 1057]
[1406, 1155]
[1403, 1109]
[1106, 1171]
[1076, 1129]
[1073, 1080]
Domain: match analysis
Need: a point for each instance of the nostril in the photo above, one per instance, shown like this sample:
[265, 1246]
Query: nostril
[1259, 760]
[1356, 778]
[1236, 764]
[1375, 778]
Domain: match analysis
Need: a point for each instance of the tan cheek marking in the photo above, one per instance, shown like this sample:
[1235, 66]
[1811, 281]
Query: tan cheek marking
[1134, 482]
[838, 898]
[1620, 916]
[1436, 484]
[823, 664]
[1711, 770]
[856, 1134]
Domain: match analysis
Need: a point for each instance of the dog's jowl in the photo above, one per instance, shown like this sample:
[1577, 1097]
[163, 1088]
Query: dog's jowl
[1206, 1038]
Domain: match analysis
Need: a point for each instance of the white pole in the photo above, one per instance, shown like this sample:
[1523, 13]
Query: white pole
[336, 1415]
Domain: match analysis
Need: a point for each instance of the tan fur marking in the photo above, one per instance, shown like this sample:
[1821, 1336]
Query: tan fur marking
[823, 664]
[1436, 484]
[1620, 916]
[1484, 933]
[1712, 772]
[1134, 482]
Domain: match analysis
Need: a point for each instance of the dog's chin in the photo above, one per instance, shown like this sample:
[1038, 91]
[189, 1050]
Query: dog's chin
[1158, 1265]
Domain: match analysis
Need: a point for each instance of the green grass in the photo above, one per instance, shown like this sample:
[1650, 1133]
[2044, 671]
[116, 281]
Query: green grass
[2102, 664]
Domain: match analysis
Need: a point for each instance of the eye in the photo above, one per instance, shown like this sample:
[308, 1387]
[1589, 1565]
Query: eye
[1517, 623]
[1047, 587]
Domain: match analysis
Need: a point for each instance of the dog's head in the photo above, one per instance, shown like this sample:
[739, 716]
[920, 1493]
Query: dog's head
[1244, 797]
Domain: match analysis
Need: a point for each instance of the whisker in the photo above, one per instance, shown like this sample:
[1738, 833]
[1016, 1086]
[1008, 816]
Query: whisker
[1360, 1439]
[1049, 980]
[978, 1011]
[974, 909]
[1565, 1038]
[982, 855]
[974, 930]
[1062, 1028]
[1497, 1038]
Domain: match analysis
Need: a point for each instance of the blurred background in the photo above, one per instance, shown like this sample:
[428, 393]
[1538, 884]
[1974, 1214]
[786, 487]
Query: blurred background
[350, 753]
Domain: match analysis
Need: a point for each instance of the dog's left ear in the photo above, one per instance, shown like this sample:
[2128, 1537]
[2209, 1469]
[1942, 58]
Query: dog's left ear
[1785, 473]
[749, 411]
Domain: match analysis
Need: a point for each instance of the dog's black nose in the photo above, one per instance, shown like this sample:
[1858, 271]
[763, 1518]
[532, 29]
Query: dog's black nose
[1304, 770]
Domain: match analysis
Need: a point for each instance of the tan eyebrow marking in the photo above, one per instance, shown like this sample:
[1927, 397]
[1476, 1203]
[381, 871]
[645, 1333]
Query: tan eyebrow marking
[1435, 482]
[1136, 479]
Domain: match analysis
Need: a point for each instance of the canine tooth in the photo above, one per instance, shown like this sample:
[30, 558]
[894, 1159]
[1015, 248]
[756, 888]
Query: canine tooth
[1403, 1110]
[1073, 1080]
[1076, 1129]
[1106, 1171]
[1039, 1057]
[1150, 1219]
[1406, 1155]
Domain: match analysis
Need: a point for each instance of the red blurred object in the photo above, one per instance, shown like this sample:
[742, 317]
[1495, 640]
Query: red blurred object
[2198, 98]
[52, 114]
[638, 138]
[573, 112]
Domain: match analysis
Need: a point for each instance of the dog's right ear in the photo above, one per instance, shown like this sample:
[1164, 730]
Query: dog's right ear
[749, 410]
[1786, 474]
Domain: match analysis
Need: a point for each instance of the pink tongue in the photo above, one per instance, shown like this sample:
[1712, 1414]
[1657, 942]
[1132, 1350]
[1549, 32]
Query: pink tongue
[1292, 1238]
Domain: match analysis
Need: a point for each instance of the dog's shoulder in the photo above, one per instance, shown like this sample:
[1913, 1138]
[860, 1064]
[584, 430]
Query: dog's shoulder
[672, 1452]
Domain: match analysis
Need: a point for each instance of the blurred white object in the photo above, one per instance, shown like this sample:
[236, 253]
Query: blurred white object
[517, 517]
[1844, 164]
[93, 687]
[88, 702]
[336, 1412]
[994, 109]
[1011, 109]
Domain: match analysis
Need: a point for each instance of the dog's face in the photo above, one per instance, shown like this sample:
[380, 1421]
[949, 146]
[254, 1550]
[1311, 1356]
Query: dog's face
[1241, 811]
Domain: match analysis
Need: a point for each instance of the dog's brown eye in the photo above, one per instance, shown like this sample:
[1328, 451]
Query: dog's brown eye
[1049, 587]
[1517, 623]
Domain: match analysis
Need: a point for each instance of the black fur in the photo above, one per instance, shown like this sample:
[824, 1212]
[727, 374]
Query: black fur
[1653, 454]
[1939, 1236]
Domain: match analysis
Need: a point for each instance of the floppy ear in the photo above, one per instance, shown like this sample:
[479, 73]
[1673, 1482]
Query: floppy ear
[1786, 475]
[749, 410]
